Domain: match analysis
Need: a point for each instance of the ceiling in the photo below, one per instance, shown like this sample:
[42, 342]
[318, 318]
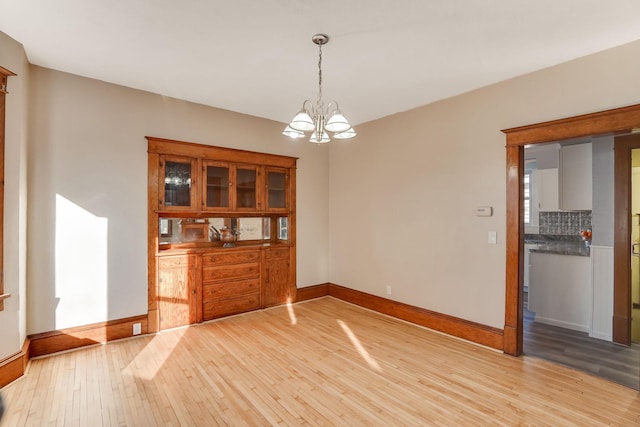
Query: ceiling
[256, 56]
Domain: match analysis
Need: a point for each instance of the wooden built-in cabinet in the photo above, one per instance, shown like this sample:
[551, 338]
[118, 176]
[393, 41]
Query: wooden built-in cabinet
[196, 279]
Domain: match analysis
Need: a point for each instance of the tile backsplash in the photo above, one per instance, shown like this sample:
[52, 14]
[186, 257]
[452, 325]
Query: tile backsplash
[564, 223]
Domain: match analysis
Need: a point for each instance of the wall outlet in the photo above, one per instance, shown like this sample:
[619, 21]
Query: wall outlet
[137, 328]
[388, 290]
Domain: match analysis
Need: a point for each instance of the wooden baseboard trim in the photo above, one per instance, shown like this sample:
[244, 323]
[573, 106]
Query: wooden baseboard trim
[71, 338]
[468, 330]
[312, 292]
[14, 366]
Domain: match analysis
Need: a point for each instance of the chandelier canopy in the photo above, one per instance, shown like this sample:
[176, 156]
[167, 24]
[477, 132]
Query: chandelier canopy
[317, 118]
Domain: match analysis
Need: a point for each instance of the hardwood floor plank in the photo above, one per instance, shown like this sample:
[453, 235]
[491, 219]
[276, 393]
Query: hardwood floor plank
[337, 365]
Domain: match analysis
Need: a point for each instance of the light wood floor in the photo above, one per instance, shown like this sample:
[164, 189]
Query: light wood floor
[323, 362]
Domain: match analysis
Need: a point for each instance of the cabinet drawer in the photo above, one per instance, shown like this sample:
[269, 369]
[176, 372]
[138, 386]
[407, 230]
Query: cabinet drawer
[227, 306]
[168, 262]
[239, 271]
[277, 253]
[212, 259]
[230, 289]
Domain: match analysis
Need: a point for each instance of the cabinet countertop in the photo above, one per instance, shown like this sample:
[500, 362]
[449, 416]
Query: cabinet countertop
[562, 248]
[219, 247]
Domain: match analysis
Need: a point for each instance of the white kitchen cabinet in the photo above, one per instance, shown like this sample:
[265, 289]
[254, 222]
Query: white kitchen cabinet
[560, 290]
[576, 177]
[546, 193]
[527, 262]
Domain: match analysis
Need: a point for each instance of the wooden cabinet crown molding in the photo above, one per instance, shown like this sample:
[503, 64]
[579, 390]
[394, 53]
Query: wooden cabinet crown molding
[4, 73]
[223, 154]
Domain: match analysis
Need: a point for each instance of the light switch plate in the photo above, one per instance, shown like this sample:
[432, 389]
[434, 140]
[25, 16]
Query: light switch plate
[493, 237]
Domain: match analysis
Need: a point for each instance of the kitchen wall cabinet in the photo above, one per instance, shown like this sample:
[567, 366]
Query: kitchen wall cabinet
[195, 279]
[576, 177]
[560, 290]
[545, 182]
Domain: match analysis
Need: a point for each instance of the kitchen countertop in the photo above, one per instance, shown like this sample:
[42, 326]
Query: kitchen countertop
[559, 245]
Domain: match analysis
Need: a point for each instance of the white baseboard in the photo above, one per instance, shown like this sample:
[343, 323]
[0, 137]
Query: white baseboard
[562, 324]
[601, 336]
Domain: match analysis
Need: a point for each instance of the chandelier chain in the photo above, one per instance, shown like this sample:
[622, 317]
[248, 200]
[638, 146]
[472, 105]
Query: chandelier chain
[319, 103]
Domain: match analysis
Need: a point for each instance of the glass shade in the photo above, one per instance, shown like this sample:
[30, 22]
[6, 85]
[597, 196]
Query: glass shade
[292, 133]
[322, 140]
[302, 122]
[337, 123]
[349, 133]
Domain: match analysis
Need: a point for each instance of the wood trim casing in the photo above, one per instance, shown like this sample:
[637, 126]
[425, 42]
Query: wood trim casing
[4, 77]
[603, 122]
[223, 154]
[461, 328]
[513, 322]
[67, 339]
[614, 120]
[623, 147]
[14, 366]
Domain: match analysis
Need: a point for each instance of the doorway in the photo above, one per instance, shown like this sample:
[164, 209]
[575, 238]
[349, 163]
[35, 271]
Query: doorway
[568, 258]
[610, 121]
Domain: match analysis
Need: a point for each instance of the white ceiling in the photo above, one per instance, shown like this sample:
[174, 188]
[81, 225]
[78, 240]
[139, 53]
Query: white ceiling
[256, 56]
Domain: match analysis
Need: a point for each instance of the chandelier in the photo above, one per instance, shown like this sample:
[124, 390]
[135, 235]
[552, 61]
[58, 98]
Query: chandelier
[319, 119]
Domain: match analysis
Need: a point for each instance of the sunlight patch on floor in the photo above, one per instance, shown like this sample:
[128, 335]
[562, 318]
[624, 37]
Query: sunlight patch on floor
[359, 348]
[291, 311]
[154, 355]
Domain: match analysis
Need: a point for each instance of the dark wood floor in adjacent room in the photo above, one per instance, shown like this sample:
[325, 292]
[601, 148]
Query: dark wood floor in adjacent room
[575, 349]
[320, 362]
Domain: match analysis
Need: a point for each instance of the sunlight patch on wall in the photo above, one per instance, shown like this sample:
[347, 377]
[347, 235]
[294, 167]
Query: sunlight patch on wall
[359, 347]
[81, 260]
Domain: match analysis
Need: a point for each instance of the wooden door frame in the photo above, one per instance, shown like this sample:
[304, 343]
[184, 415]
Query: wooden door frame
[609, 121]
[622, 238]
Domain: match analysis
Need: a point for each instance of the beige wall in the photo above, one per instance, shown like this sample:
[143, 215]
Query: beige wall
[403, 194]
[13, 320]
[88, 189]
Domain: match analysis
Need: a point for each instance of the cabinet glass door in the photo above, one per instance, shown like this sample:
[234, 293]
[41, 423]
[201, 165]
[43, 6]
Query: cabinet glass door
[177, 183]
[246, 188]
[276, 190]
[217, 183]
